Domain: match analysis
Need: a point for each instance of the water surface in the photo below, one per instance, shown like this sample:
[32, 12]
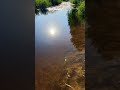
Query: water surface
[59, 48]
[52, 43]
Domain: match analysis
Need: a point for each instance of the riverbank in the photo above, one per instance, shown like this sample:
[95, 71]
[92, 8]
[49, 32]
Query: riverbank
[75, 70]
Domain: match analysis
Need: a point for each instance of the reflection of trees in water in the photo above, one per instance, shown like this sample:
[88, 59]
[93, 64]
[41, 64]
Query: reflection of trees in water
[77, 30]
[74, 65]
[42, 11]
[73, 18]
[78, 36]
[104, 32]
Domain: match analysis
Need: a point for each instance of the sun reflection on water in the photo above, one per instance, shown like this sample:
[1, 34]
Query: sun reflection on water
[52, 31]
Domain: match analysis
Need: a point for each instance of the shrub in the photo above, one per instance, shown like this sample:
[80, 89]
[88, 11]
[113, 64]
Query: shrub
[42, 3]
[75, 1]
[81, 10]
[77, 15]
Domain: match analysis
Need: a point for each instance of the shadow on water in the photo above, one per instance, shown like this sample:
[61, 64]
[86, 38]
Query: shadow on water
[103, 45]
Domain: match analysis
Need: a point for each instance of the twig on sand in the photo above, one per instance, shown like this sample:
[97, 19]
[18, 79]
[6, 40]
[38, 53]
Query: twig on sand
[69, 86]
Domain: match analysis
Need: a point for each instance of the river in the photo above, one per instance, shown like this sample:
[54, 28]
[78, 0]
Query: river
[54, 46]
